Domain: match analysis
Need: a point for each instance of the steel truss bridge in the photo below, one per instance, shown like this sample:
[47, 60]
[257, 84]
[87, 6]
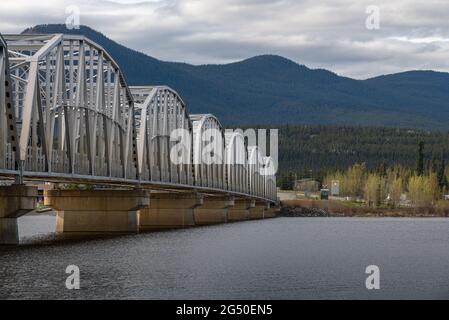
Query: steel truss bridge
[67, 115]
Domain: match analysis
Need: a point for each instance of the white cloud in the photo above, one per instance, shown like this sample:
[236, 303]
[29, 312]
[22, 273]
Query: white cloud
[330, 34]
[421, 40]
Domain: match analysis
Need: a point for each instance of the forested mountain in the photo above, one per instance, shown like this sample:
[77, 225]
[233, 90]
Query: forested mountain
[273, 90]
[328, 148]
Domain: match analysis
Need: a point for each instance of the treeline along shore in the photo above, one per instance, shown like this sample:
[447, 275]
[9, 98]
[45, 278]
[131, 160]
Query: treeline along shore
[380, 171]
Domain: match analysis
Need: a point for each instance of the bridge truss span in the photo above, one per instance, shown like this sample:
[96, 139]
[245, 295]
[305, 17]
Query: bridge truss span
[208, 151]
[160, 111]
[67, 115]
[74, 111]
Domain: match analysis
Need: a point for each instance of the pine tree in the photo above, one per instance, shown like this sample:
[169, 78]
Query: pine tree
[442, 179]
[382, 169]
[433, 167]
[420, 160]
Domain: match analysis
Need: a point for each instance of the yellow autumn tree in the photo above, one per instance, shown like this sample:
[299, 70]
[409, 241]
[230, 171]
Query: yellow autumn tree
[423, 190]
[395, 188]
[372, 190]
[355, 181]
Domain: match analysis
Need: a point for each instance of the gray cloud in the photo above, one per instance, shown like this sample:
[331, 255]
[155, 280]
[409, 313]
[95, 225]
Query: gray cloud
[329, 34]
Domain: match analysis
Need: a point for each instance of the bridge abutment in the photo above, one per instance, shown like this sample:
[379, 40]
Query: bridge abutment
[15, 201]
[97, 211]
[214, 210]
[170, 211]
[240, 210]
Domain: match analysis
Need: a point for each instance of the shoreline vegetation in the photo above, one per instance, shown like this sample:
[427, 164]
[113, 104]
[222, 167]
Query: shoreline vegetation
[335, 208]
[394, 190]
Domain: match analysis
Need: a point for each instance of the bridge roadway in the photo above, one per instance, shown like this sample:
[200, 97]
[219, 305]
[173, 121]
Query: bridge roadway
[68, 117]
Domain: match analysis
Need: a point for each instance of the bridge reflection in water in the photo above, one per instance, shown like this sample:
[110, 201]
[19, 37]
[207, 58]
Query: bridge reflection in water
[68, 116]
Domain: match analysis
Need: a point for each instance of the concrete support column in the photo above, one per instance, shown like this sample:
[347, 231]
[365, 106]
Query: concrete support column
[240, 210]
[271, 212]
[15, 201]
[170, 211]
[97, 211]
[258, 211]
[9, 231]
[213, 210]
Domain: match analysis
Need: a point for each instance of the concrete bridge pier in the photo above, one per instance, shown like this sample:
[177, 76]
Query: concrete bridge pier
[15, 201]
[97, 211]
[240, 210]
[271, 211]
[214, 210]
[170, 211]
[258, 211]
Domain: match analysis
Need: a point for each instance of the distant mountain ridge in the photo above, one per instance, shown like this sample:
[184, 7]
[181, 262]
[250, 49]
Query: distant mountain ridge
[270, 89]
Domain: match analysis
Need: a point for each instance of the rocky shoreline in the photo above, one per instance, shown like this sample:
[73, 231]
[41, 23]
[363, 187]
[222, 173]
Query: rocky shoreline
[298, 211]
[303, 212]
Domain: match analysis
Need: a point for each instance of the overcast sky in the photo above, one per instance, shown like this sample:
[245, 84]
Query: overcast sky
[318, 33]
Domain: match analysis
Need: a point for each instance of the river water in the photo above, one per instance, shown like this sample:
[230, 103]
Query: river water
[282, 258]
